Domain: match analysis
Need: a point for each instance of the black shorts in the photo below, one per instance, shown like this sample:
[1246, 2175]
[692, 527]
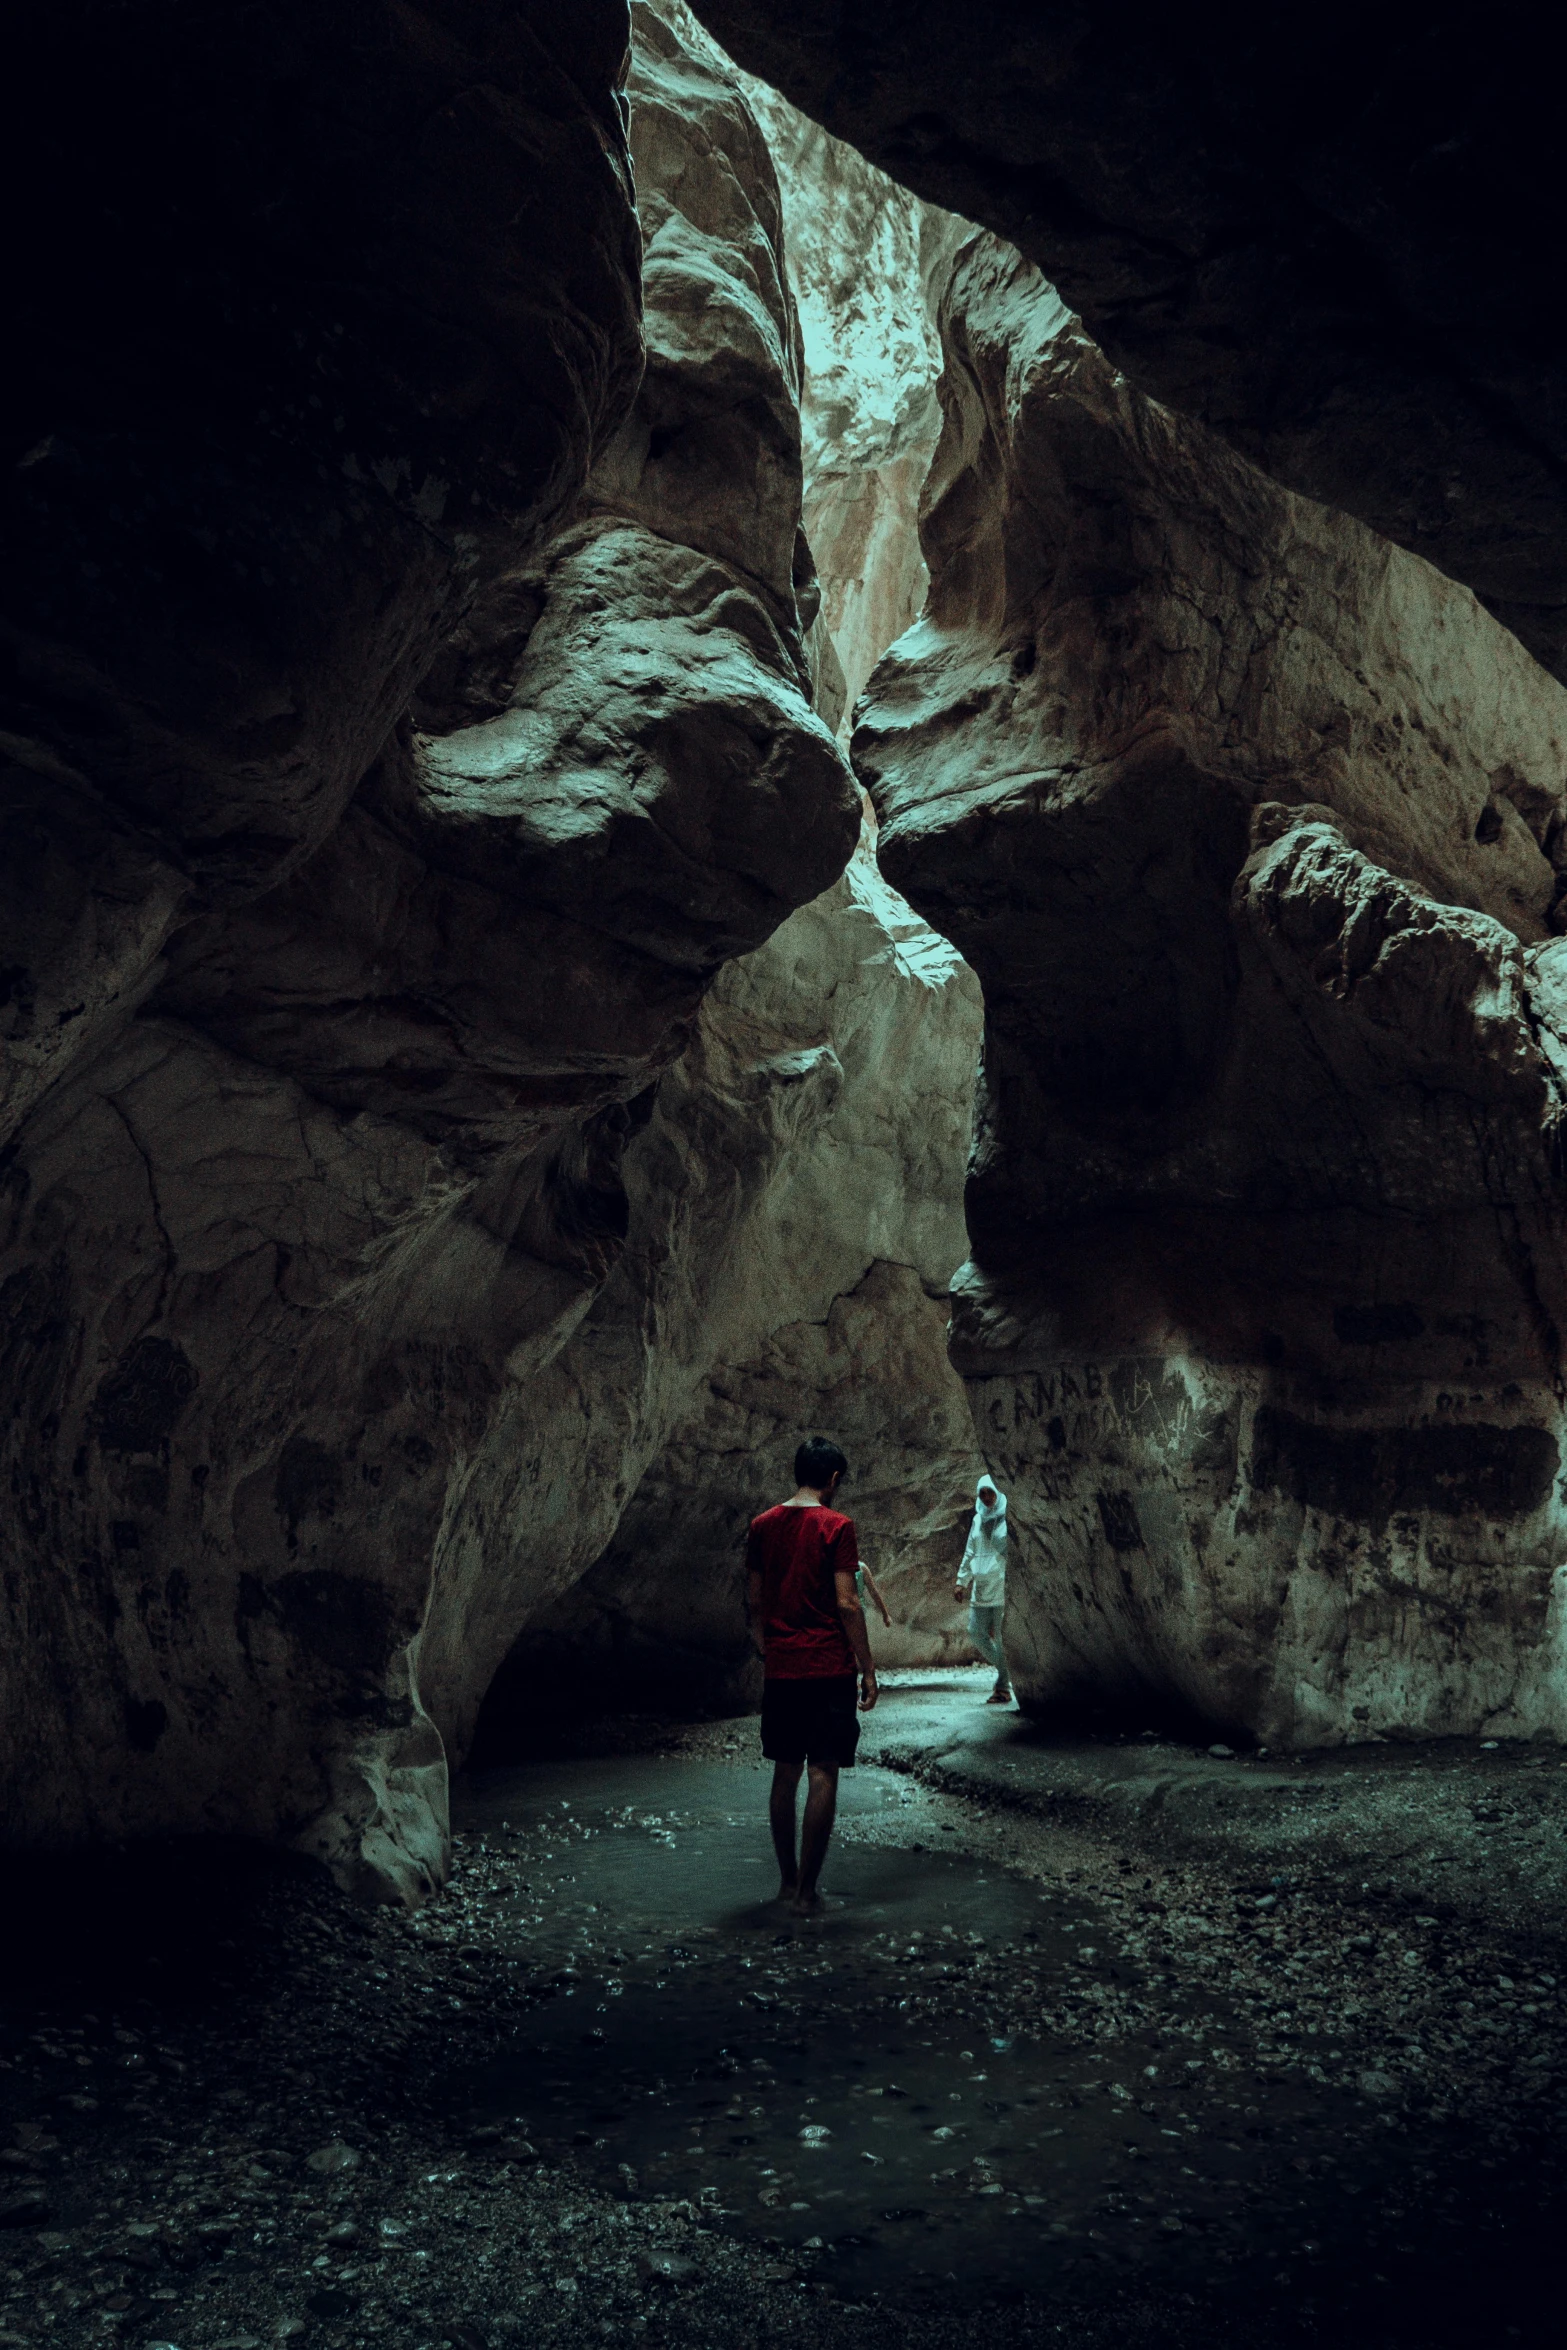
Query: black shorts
[815, 1720]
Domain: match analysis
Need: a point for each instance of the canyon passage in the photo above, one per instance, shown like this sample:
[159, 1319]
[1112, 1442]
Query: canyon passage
[722, 724]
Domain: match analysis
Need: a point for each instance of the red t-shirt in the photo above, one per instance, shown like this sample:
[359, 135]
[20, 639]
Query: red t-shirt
[798, 1553]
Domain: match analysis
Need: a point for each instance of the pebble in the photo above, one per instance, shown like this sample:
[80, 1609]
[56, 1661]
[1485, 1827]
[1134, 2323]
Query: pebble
[27, 2210]
[669, 2268]
[241, 2131]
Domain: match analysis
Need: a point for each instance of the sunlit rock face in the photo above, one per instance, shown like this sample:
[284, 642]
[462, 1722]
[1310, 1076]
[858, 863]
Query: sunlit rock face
[866, 261]
[329, 1032]
[740, 1318]
[1249, 823]
[1291, 228]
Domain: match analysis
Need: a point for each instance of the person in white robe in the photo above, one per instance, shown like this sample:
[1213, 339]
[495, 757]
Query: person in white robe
[982, 1580]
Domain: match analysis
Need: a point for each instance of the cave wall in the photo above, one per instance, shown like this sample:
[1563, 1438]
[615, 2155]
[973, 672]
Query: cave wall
[347, 953]
[866, 260]
[793, 1232]
[467, 1099]
[1323, 236]
[835, 1247]
[1250, 823]
[326, 314]
[456, 1089]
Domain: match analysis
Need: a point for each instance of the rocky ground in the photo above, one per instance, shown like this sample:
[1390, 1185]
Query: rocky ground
[1244, 2063]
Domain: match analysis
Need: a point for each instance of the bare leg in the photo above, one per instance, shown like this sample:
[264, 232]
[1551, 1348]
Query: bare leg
[821, 1809]
[780, 1818]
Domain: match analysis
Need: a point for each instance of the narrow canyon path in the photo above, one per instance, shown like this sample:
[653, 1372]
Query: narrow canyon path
[1056, 2059]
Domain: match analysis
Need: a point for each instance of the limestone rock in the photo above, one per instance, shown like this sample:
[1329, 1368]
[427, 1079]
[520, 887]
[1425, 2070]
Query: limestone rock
[712, 455]
[793, 1231]
[1323, 236]
[336, 306]
[659, 1618]
[347, 303]
[339, 304]
[335, 1172]
[1249, 823]
[866, 260]
[713, 1399]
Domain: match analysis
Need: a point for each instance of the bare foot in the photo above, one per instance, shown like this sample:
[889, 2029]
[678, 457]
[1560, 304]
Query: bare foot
[808, 1905]
[787, 1890]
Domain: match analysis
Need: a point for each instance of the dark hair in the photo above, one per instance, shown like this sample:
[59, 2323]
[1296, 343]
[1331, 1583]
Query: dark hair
[817, 1460]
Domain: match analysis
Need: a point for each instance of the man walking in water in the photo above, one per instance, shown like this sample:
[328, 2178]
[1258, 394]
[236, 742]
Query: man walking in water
[982, 1577]
[809, 1629]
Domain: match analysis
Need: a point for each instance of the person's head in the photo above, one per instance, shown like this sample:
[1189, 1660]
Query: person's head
[818, 1465]
[988, 1494]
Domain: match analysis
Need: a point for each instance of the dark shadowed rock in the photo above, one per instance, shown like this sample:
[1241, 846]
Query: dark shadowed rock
[288, 346]
[1322, 235]
[322, 310]
[370, 991]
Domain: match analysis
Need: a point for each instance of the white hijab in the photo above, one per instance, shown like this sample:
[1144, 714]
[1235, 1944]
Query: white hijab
[985, 1552]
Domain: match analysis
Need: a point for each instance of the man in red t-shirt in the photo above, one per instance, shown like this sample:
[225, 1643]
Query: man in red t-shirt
[809, 1629]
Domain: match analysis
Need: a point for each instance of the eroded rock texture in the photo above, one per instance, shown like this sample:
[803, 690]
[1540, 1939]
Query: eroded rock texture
[793, 1232]
[866, 261]
[789, 1261]
[327, 1033]
[1324, 236]
[1250, 824]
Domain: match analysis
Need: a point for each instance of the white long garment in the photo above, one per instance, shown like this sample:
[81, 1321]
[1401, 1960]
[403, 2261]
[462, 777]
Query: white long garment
[984, 1567]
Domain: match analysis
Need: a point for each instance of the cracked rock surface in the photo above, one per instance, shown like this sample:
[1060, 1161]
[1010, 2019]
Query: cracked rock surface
[1249, 824]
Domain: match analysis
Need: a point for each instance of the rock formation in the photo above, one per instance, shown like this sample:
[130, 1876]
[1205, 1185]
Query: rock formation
[325, 1051]
[866, 262]
[796, 1221]
[379, 1192]
[707, 1356]
[337, 305]
[1252, 826]
[1324, 236]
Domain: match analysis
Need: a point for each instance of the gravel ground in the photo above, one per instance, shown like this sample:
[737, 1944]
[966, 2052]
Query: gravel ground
[236, 2111]
[1388, 1911]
